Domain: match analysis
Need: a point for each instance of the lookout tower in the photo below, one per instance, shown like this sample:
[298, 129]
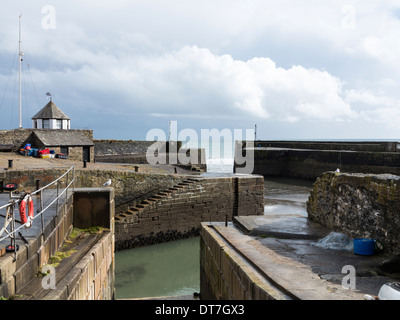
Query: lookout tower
[51, 117]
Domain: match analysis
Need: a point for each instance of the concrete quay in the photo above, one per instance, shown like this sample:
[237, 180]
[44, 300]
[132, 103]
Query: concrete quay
[27, 234]
[309, 159]
[274, 257]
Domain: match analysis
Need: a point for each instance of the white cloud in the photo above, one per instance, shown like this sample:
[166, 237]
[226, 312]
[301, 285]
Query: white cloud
[386, 115]
[194, 81]
[371, 99]
[284, 60]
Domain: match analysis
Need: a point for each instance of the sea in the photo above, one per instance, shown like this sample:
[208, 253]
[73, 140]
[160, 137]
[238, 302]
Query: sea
[173, 268]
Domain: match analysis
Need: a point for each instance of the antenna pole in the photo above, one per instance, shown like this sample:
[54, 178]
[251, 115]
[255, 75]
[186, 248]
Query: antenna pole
[169, 131]
[20, 60]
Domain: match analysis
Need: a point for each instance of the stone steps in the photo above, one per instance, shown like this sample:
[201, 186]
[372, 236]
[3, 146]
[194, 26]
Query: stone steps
[155, 199]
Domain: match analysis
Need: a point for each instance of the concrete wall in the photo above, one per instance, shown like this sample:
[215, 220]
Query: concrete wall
[117, 147]
[92, 278]
[177, 212]
[133, 151]
[370, 146]
[132, 147]
[14, 275]
[359, 205]
[303, 163]
[94, 207]
[225, 275]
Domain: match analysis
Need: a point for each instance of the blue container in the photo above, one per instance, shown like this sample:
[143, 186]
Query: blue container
[364, 246]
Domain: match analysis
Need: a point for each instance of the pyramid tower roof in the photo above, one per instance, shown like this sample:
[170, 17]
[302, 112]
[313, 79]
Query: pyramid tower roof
[50, 111]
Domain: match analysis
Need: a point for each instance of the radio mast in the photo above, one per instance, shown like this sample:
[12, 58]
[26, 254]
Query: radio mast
[20, 61]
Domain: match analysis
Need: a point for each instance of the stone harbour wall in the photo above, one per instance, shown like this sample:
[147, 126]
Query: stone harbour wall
[310, 164]
[308, 160]
[119, 147]
[130, 187]
[133, 151]
[359, 205]
[92, 277]
[370, 146]
[14, 275]
[177, 212]
[225, 275]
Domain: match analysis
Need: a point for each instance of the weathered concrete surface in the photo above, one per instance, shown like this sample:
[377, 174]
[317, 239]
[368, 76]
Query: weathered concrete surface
[372, 146]
[293, 265]
[129, 151]
[308, 160]
[295, 226]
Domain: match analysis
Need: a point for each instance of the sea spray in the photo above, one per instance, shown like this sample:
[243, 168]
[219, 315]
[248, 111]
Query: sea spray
[335, 241]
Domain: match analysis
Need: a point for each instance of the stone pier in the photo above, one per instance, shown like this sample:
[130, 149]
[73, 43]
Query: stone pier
[176, 212]
[309, 159]
[76, 248]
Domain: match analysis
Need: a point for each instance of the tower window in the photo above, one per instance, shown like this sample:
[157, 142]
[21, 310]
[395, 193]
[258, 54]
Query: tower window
[58, 124]
[46, 124]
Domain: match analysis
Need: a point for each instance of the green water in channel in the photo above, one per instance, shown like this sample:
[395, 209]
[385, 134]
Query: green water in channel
[173, 268]
[166, 269]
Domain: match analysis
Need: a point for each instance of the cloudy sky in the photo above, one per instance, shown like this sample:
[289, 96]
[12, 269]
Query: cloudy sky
[306, 69]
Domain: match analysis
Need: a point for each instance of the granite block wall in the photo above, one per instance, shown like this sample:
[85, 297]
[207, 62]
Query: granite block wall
[178, 211]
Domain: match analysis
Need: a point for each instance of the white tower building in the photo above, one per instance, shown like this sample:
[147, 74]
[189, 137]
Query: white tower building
[51, 117]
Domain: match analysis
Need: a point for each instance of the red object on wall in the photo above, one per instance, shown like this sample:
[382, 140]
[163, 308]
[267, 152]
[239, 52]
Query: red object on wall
[44, 151]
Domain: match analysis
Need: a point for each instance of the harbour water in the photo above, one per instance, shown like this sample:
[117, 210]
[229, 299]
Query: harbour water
[166, 269]
[286, 196]
[173, 268]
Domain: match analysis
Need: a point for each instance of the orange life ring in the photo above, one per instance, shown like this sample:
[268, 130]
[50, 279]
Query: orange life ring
[26, 201]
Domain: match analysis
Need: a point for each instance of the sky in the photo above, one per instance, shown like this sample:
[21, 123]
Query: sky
[295, 69]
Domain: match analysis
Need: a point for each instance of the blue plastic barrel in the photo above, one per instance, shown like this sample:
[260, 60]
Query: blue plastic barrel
[364, 246]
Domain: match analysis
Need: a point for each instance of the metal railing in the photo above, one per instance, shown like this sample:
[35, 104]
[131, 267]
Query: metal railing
[15, 200]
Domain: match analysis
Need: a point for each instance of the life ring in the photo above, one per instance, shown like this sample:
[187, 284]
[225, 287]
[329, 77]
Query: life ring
[26, 201]
[10, 187]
